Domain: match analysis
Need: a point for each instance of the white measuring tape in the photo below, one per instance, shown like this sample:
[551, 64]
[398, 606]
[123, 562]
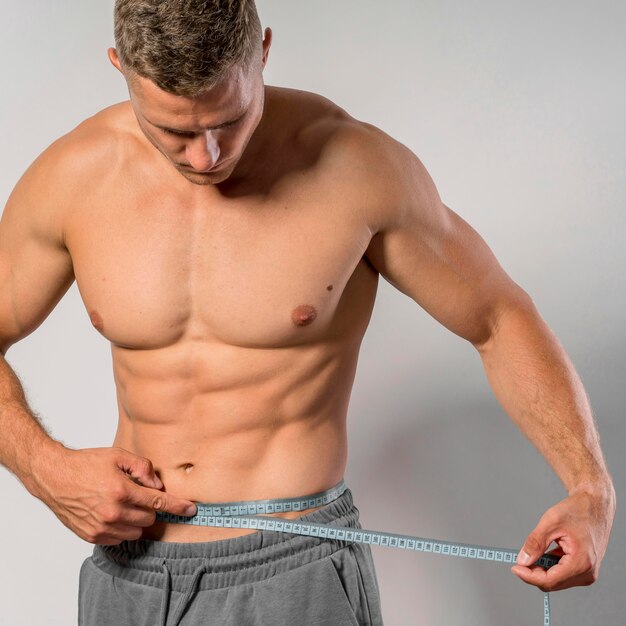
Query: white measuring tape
[247, 514]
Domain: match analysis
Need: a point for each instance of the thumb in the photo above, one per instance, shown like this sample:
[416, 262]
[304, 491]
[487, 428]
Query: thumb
[534, 547]
[162, 501]
[139, 469]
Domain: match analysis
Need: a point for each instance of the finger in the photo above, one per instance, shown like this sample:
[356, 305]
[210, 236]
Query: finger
[548, 580]
[533, 575]
[548, 529]
[566, 573]
[120, 533]
[535, 546]
[139, 468]
[138, 516]
[156, 500]
[127, 532]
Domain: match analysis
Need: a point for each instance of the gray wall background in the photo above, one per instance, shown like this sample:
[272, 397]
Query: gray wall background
[516, 109]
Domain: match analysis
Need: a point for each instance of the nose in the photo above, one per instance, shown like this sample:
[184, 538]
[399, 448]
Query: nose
[203, 152]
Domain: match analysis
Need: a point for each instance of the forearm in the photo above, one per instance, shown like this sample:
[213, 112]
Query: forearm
[536, 384]
[23, 439]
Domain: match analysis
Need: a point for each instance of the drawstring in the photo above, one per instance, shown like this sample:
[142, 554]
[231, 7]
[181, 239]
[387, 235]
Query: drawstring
[182, 603]
[166, 594]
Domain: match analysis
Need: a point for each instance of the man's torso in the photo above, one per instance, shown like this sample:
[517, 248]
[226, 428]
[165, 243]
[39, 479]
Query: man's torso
[235, 318]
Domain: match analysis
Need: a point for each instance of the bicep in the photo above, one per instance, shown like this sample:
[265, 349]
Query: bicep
[432, 255]
[35, 266]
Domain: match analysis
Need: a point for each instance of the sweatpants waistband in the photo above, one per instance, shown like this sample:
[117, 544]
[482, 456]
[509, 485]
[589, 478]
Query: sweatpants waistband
[227, 562]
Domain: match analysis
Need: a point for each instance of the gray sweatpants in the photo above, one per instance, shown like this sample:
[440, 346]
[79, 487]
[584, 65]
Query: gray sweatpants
[267, 578]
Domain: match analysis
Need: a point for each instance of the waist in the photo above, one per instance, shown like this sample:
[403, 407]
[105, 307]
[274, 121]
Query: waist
[292, 484]
[338, 509]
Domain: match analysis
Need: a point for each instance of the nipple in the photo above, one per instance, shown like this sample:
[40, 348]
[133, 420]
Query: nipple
[303, 315]
[96, 320]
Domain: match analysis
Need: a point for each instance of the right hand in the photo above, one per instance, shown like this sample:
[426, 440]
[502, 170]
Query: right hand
[94, 493]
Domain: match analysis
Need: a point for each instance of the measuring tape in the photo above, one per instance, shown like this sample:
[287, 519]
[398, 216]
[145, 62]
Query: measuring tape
[247, 514]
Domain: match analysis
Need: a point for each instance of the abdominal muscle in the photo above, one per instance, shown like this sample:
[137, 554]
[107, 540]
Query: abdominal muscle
[258, 456]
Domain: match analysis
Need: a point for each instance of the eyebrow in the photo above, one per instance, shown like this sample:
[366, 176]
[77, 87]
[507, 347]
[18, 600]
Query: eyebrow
[181, 130]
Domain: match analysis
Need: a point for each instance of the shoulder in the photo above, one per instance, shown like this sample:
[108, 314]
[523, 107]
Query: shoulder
[82, 153]
[387, 176]
[58, 178]
[98, 144]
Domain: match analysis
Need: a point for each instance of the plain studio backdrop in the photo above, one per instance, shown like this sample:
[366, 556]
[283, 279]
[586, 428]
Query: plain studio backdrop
[516, 110]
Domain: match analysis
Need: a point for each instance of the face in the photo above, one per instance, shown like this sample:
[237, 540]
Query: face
[203, 138]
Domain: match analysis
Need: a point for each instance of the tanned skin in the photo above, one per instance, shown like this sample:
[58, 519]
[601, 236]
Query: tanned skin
[233, 269]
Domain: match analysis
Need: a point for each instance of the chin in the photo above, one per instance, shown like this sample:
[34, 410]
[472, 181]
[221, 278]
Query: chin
[206, 179]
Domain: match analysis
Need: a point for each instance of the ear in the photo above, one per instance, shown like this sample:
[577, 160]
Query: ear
[112, 54]
[267, 43]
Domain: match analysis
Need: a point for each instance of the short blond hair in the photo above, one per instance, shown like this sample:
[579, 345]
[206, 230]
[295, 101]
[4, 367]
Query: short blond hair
[185, 46]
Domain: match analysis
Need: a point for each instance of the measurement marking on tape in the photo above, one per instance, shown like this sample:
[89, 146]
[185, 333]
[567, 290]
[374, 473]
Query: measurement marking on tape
[249, 514]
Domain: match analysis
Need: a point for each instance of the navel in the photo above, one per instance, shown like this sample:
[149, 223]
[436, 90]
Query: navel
[187, 467]
[303, 315]
[96, 320]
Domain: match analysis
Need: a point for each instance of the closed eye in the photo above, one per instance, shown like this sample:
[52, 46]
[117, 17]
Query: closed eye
[175, 132]
[188, 134]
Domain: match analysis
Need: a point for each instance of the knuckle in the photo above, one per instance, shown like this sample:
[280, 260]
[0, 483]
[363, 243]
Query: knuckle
[109, 515]
[145, 465]
[118, 492]
[117, 454]
[534, 541]
[551, 517]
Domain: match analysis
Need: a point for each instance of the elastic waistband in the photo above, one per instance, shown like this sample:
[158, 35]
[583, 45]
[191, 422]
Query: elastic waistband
[227, 562]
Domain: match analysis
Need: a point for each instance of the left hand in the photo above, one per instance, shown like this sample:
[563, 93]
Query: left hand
[580, 524]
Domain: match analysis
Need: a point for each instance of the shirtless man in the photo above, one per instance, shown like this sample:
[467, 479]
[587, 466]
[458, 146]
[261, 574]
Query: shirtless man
[226, 238]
